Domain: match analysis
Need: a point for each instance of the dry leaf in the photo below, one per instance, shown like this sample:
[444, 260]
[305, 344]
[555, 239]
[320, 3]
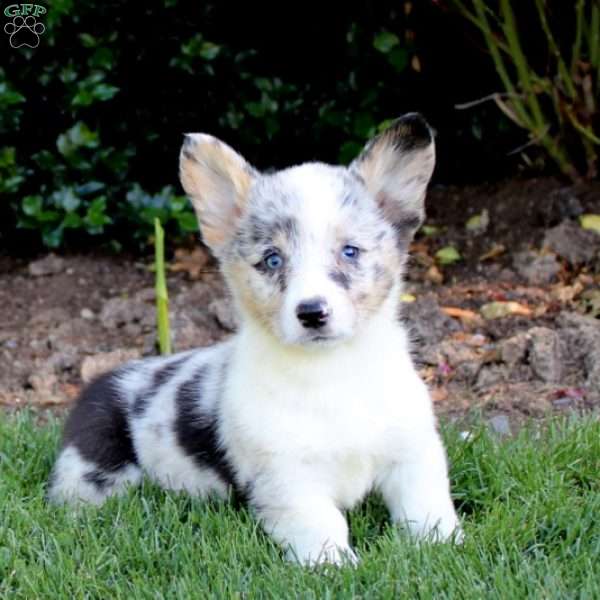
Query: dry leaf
[566, 293]
[71, 390]
[460, 313]
[475, 340]
[434, 274]
[498, 310]
[495, 251]
[192, 263]
[591, 222]
[448, 255]
[439, 394]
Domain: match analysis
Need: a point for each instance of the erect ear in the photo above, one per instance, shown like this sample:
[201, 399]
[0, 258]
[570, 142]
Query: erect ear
[217, 180]
[396, 167]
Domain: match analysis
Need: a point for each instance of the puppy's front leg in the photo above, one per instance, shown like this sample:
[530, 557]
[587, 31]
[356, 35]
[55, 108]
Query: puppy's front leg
[311, 528]
[417, 492]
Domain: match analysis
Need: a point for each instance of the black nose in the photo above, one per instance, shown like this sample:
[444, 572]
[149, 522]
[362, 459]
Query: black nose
[313, 314]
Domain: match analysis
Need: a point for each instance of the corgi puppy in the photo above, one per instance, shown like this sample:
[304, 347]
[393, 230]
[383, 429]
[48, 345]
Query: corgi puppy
[315, 401]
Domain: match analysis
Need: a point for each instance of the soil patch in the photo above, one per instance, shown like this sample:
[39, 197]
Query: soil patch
[512, 328]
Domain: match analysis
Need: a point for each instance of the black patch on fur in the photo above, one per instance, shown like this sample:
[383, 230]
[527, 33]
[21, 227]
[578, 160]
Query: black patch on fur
[98, 425]
[164, 374]
[408, 133]
[98, 478]
[196, 431]
[341, 278]
[161, 376]
[411, 132]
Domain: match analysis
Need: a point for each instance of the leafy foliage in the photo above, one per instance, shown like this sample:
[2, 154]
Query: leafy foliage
[102, 102]
[91, 120]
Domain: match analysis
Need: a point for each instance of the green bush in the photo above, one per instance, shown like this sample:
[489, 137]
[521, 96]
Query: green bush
[92, 119]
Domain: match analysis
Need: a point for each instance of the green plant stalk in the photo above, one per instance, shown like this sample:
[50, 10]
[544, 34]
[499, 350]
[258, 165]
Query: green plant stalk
[563, 72]
[579, 26]
[538, 124]
[594, 40]
[523, 70]
[529, 114]
[162, 297]
[482, 22]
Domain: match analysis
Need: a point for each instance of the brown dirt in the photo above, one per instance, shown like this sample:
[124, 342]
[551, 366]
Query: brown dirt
[64, 318]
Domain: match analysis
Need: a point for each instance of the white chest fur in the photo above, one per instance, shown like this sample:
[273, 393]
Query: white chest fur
[337, 415]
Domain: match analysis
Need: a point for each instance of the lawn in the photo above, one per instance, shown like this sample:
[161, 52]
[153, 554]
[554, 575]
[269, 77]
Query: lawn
[531, 507]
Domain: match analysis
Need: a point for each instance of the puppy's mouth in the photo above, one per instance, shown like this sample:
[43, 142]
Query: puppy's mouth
[321, 338]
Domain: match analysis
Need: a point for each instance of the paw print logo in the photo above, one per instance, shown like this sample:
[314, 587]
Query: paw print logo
[24, 31]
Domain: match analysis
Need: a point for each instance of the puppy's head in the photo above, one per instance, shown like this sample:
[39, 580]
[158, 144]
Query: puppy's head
[312, 252]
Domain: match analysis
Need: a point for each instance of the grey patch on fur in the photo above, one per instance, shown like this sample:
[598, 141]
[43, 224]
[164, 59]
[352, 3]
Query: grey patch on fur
[258, 237]
[379, 271]
[264, 230]
[349, 200]
[188, 155]
[341, 278]
[405, 228]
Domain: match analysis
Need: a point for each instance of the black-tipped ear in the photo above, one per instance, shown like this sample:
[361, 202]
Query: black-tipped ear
[396, 167]
[217, 180]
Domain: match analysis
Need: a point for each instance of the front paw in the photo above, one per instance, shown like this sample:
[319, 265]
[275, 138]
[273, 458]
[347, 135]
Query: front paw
[326, 554]
[445, 529]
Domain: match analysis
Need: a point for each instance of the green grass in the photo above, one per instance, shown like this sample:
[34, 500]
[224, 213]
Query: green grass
[531, 507]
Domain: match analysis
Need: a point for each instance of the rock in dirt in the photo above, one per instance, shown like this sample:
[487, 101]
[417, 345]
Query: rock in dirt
[563, 204]
[569, 240]
[222, 309]
[514, 349]
[42, 380]
[427, 321]
[535, 268]
[65, 358]
[87, 314]
[540, 347]
[93, 366]
[49, 265]
[187, 334]
[545, 355]
[49, 317]
[76, 333]
[45, 389]
[490, 375]
[581, 336]
[500, 424]
[137, 311]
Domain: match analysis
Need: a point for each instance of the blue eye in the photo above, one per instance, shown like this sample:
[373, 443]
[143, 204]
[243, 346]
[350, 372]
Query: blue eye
[273, 261]
[350, 252]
